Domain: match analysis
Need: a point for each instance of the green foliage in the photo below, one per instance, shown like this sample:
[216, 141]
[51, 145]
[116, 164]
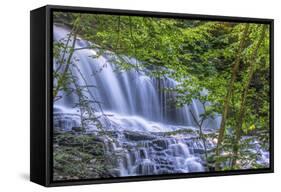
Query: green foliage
[197, 54]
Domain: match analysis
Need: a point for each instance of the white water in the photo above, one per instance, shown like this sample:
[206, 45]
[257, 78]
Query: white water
[138, 109]
[127, 93]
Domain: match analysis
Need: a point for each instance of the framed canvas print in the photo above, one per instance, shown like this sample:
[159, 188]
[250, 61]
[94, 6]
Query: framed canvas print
[119, 95]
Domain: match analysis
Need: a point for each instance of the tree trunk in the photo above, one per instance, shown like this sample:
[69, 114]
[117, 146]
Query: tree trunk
[229, 93]
[241, 114]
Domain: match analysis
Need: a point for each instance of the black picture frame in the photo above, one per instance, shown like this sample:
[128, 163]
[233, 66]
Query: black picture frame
[41, 97]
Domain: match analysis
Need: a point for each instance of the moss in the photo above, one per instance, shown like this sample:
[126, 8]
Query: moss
[182, 131]
[80, 157]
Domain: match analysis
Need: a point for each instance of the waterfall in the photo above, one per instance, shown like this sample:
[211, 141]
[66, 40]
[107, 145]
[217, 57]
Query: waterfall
[128, 93]
[139, 110]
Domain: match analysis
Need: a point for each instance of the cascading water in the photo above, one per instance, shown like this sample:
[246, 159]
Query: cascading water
[126, 93]
[138, 111]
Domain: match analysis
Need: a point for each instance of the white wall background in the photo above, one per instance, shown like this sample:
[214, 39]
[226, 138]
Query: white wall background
[14, 94]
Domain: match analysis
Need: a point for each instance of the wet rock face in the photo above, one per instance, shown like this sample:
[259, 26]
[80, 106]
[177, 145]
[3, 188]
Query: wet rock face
[154, 153]
[138, 136]
[65, 122]
[160, 143]
[141, 152]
